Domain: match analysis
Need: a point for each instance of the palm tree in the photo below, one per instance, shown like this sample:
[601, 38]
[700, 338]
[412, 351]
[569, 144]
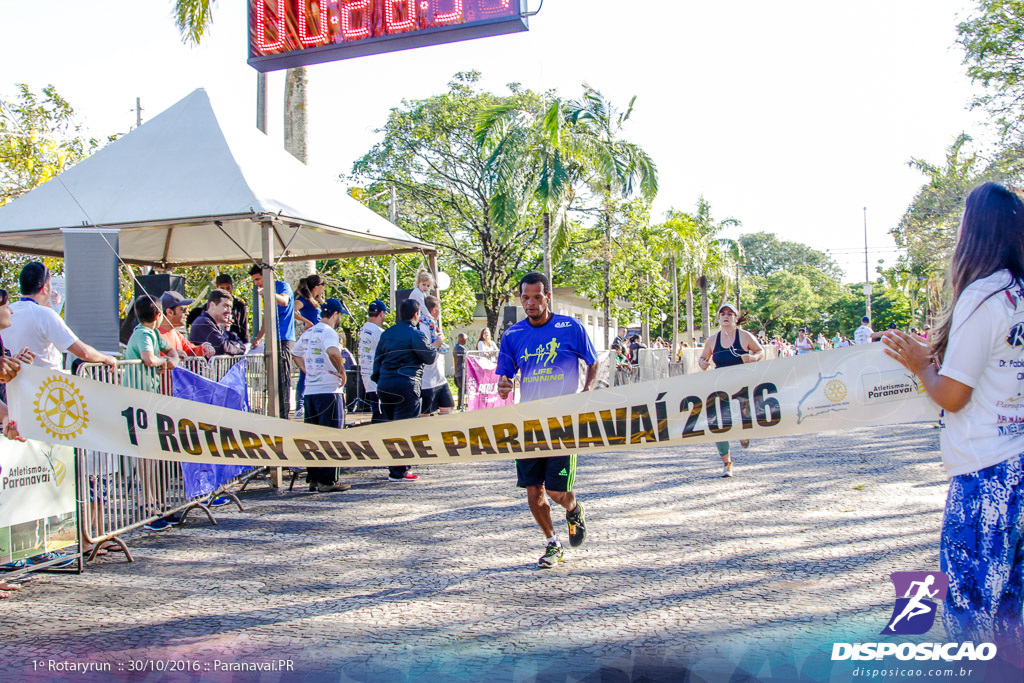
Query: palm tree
[675, 242]
[708, 260]
[514, 130]
[193, 19]
[618, 168]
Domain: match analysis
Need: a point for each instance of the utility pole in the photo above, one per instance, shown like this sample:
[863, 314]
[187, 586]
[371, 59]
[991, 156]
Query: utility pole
[138, 112]
[867, 277]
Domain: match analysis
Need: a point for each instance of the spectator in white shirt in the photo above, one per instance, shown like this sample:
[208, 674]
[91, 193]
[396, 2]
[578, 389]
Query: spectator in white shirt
[38, 328]
[862, 335]
[368, 338]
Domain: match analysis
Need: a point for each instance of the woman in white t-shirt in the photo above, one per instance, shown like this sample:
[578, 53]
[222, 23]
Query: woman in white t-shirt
[484, 342]
[972, 370]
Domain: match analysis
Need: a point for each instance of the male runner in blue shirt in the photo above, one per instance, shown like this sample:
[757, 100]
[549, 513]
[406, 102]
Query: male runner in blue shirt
[545, 350]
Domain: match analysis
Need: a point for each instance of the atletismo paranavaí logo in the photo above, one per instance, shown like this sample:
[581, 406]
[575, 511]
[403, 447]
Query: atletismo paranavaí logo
[918, 595]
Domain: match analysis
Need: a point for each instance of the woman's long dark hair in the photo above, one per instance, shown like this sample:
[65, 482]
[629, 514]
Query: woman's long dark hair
[306, 286]
[991, 239]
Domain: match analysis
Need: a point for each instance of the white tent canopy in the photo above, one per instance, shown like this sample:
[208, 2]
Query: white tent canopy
[168, 185]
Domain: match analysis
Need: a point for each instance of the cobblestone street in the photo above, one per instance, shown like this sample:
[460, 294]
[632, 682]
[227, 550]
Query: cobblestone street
[437, 579]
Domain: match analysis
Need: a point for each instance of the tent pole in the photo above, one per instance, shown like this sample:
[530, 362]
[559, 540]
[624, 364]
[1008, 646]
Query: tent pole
[270, 335]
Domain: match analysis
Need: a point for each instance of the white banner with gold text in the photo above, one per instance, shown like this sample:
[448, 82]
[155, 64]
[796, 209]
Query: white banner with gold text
[840, 389]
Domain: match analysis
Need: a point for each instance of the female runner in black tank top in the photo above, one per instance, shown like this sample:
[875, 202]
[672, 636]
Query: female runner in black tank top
[730, 346]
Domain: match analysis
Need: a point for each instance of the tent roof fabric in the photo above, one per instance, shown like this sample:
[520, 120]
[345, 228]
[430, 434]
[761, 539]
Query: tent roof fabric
[178, 186]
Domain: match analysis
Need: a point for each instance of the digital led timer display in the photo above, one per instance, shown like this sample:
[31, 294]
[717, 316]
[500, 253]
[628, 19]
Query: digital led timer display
[290, 33]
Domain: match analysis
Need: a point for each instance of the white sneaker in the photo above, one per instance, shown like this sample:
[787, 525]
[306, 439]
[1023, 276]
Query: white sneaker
[300, 414]
[727, 470]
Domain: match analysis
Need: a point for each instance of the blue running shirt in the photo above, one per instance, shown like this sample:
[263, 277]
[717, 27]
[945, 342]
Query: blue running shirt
[546, 357]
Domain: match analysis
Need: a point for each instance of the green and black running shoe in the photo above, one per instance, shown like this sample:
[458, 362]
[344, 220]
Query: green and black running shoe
[577, 526]
[551, 557]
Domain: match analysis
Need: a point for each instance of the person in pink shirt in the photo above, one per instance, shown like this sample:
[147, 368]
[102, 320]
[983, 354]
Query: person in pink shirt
[174, 306]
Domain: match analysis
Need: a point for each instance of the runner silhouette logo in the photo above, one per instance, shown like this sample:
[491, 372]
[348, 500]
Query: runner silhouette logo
[917, 597]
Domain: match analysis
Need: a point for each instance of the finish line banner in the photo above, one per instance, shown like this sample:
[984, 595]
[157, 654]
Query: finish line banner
[840, 389]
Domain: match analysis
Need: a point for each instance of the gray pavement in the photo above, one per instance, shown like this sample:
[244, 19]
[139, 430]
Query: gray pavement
[437, 579]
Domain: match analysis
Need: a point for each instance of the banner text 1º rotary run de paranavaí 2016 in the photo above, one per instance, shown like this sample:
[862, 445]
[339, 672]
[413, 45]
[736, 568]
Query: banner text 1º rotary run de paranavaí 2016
[841, 389]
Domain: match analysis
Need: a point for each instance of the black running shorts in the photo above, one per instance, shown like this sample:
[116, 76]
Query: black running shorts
[556, 474]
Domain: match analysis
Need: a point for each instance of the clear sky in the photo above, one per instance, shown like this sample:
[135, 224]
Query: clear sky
[790, 117]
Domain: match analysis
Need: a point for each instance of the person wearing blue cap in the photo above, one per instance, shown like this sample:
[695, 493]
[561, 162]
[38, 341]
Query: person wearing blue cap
[369, 337]
[318, 354]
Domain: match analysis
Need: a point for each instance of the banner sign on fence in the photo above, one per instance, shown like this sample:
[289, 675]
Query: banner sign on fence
[37, 499]
[482, 382]
[846, 388]
[229, 392]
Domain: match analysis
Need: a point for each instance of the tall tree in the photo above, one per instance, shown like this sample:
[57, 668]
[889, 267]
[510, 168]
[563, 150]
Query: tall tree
[193, 19]
[677, 240]
[452, 191]
[39, 139]
[765, 253]
[619, 168]
[927, 230]
[707, 258]
[993, 43]
[512, 130]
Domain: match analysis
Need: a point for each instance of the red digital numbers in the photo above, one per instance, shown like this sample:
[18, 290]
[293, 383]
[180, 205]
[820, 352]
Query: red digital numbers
[349, 12]
[399, 15]
[321, 37]
[282, 31]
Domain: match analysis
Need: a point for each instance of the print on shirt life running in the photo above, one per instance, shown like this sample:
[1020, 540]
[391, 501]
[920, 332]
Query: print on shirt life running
[546, 353]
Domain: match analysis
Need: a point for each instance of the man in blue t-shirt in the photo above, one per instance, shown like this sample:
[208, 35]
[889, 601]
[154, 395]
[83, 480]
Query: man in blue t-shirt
[285, 335]
[545, 351]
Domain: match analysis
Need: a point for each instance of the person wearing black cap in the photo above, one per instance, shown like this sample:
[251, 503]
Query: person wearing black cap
[863, 334]
[397, 369]
[369, 337]
[318, 354]
[38, 328]
[173, 306]
[212, 326]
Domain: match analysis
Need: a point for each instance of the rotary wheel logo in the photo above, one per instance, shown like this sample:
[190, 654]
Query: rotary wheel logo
[60, 409]
[835, 390]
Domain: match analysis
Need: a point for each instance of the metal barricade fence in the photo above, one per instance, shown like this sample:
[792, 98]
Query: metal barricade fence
[122, 493]
[196, 364]
[255, 377]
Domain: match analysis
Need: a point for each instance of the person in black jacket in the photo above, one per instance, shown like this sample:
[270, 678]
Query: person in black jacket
[212, 326]
[397, 368]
